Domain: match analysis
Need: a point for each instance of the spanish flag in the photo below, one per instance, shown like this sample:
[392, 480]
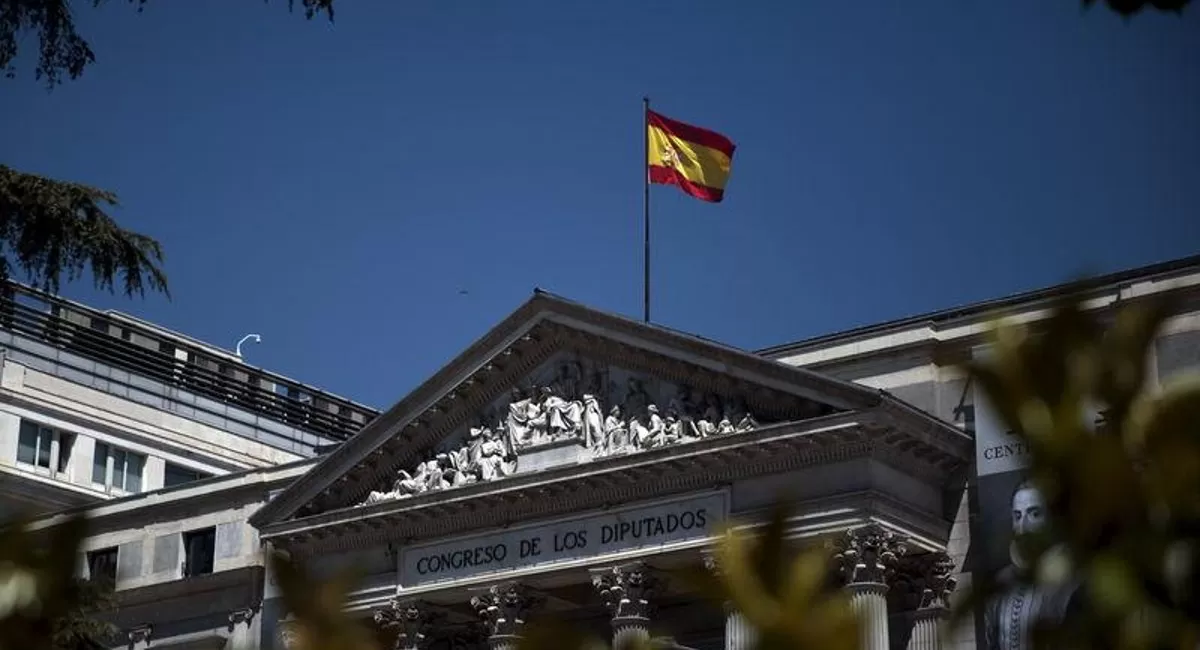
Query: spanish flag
[695, 159]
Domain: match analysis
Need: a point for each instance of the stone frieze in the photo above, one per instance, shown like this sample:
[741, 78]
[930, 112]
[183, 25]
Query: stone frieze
[602, 409]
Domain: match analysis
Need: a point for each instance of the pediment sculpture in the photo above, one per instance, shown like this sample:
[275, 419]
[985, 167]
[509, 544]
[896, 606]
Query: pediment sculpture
[485, 456]
[594, 409]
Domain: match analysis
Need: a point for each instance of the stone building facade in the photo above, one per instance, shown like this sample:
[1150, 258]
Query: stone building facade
[96, 405]
[566, 463]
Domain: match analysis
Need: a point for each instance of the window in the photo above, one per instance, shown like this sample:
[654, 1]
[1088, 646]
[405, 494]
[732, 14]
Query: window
[115, 468]
[176, 475]
[66, 442]
[199, 546]
[102, 565]
[44, 447]
[33, 447]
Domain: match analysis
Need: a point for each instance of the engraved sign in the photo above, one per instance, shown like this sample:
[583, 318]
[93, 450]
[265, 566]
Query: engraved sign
[587, 536]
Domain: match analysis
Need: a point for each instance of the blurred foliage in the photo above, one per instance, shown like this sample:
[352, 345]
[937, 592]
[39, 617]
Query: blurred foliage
[788, 596]
[81, 626]
[1131, 7]
[42, 603]
[1123, 501]
[1118, 465]
[62, 51]
[50, 229]
[316, 606]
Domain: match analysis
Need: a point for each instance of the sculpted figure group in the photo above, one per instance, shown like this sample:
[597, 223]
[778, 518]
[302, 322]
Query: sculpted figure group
[569, 407]
[640, 425]
[483, 457]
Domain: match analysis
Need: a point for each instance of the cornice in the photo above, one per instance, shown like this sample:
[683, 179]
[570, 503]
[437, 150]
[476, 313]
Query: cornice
[245, 581]
[601, 483]
[462, 372]
[827, 516]
[453, 408]
[542, 326]
[707, 464]
[1108, 286]
[943, 442]
[949, 349]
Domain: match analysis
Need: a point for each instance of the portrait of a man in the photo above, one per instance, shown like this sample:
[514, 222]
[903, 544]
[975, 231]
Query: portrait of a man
[1009, 620]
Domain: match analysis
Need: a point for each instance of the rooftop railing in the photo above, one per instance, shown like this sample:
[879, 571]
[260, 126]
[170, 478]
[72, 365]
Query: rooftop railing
[122, 343]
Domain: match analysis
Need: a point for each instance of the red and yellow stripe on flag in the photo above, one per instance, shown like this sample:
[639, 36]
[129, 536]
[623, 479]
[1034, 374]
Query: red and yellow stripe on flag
[695, 159]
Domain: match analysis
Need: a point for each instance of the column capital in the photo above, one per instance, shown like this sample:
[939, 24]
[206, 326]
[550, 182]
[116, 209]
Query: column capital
[504, 608]
[935, 573]
[628, 590]
[412, 620]
[868, 555]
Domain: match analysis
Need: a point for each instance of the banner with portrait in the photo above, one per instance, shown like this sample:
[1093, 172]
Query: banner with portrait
[1005, 506]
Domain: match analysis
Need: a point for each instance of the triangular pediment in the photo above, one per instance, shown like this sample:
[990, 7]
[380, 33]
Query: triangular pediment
[558, 383]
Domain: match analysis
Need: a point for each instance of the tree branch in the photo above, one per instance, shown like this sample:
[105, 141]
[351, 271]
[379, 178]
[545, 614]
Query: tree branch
[52, 229]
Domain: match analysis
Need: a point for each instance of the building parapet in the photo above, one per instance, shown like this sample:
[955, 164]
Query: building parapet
[1177, 276]
[118, 354]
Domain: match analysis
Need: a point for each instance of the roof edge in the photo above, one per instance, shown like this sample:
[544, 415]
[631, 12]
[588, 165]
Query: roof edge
[543, 305]
[219, 485]
[1087, 284]
[369, 436]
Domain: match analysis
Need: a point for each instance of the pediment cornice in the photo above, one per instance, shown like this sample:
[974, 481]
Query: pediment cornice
[458, 405]
[453, 398]
[708, 464]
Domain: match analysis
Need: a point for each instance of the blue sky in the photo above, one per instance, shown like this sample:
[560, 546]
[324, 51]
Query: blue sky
[334, 187]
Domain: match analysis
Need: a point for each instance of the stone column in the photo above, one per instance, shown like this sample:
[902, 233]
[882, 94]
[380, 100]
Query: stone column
[935, 578]
[866, 558]
[410, 619]
[241, 633]
[628, 592]
[738, 634]
[504, 608]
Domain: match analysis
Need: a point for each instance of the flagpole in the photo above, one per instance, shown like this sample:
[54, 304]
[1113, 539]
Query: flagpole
[646, 209]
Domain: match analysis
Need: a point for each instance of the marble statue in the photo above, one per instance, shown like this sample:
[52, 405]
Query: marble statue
[639, 431]
[522, 411]
[616, 432]
[656, 429]
[405, 485]
[593, 422]
[569, 405]
[495, 458]
[746, 423]
[559, 417]
[725, 426]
